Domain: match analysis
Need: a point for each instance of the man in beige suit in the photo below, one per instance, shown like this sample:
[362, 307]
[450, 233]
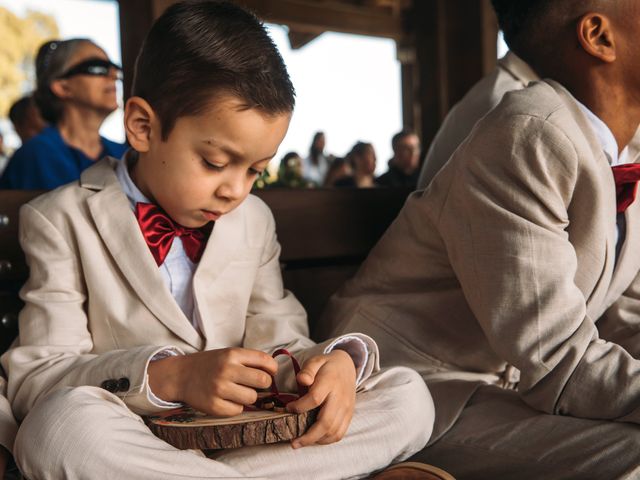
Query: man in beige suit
[512, 284]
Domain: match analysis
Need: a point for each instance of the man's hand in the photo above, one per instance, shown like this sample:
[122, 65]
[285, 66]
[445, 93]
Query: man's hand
[332, 382]
[218, 382]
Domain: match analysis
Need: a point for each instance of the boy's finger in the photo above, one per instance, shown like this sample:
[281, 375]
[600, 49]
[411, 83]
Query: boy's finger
[241, 395]
[311, 437]
[251, 377]
[314, 398]
[307, 375]
[338, 435]
[255, 359]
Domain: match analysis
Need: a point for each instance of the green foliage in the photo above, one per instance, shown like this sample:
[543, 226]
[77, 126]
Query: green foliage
[20, 39]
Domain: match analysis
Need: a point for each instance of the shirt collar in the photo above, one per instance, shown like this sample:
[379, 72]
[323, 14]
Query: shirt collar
[605, 138]
[129, 188]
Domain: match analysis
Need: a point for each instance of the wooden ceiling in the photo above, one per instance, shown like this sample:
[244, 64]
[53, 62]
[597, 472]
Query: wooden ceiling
[382, 18]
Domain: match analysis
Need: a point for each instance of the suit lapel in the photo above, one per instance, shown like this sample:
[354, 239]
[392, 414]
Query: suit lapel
[226, 244]
[117, 226]
[629, 261]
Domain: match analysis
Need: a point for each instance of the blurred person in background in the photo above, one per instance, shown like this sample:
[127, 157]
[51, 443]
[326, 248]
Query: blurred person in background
[339, 168]
[362, 159]
[404, 166]
[3, 154]
[316, 165]
[75, 93]
[290, 173]
[26, 118]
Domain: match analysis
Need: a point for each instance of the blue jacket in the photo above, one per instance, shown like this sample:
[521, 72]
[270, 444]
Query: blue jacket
[46, 162]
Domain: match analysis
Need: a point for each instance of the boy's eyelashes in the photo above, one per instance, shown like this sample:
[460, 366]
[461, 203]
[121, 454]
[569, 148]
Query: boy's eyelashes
[211, 165]
[217, 168]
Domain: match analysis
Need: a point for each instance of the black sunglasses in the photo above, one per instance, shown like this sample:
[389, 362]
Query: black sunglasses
[95, 67]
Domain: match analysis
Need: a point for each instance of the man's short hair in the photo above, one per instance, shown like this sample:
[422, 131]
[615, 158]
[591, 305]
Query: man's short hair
[399, 136]
[197, 50]
[533, 28]
[514, 16]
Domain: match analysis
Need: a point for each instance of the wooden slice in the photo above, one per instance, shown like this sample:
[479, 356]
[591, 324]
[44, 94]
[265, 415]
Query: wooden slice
[185, 428]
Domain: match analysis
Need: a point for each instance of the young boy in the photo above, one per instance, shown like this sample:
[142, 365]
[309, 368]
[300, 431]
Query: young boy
[124, 295]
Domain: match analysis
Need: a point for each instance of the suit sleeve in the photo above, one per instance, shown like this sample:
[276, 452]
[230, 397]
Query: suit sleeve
[55, 343]
[8, 425]
[621, 322]
[276, 319]
[505, 224]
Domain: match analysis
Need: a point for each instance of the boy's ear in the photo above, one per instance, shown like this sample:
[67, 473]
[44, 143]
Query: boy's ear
[138, 120]
[596, 36]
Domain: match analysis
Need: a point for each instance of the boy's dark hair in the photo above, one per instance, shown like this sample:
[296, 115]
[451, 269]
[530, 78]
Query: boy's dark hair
[199, 49]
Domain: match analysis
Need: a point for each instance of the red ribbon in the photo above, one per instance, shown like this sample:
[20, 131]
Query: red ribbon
[282, 399]
[159, 230]
[626, 177]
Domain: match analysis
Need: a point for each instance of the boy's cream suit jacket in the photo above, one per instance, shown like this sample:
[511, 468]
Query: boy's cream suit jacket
[499, 271]
[98, 309]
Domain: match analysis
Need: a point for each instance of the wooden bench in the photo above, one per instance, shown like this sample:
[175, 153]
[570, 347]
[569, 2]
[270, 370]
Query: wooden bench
[325, 234]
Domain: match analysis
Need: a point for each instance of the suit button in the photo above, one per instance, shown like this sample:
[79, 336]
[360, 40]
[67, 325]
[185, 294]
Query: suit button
[110, 385]
[123, 384]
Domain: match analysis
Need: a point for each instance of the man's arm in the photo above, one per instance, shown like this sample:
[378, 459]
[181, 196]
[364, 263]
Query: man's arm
[505, 223]
[621, 322]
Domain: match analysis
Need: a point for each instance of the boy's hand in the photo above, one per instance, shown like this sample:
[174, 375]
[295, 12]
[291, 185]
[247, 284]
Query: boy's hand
[332, 382]
[218, 382]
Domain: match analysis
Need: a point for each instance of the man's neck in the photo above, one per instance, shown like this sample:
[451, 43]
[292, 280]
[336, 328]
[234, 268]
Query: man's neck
[612, 104]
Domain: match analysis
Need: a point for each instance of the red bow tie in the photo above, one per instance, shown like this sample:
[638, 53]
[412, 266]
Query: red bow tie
[159, 231]
[626, 177]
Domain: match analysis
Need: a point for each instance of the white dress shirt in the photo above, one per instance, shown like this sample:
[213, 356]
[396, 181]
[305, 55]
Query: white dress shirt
[610, 147]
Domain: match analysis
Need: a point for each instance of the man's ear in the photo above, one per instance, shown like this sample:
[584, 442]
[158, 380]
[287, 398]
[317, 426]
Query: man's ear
[595, 34]
[138, 120]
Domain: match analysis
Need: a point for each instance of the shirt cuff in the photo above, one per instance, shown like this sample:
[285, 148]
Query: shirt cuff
[153, 399]
[360, 348]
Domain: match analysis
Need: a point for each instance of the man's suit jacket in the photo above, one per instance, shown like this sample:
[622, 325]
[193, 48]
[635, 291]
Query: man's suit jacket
[97, 308]
[504, 271]
[511, 73]
[8, 426]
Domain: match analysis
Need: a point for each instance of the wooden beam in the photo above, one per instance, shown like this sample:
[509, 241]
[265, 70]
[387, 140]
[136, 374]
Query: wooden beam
[312, 16]
[136, 17]
[455, 43]
[298, 39]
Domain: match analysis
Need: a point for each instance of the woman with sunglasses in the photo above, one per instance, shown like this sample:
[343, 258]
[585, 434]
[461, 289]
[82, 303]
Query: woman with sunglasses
[76, 91]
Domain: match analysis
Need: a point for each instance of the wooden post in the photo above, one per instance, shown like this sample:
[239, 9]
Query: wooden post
[455, 45]
[136, 17]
